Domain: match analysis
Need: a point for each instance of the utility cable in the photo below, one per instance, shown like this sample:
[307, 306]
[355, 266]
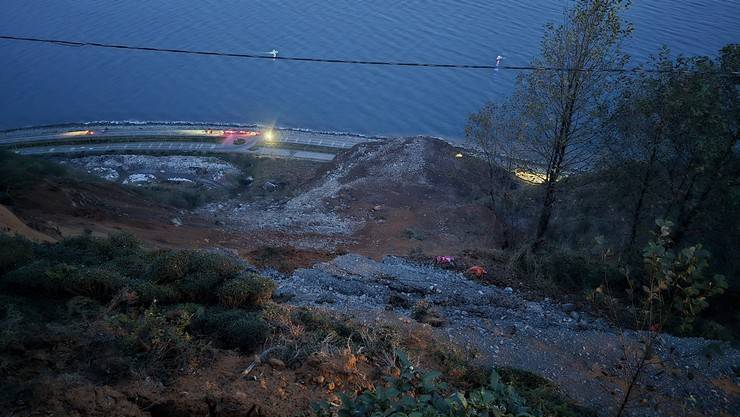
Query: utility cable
[273, 56]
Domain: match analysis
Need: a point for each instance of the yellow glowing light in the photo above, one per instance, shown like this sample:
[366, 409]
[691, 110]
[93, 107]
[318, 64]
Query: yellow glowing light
[269, 135]
[529, 176]
[196, 132]
[459, 155]
[78, 133]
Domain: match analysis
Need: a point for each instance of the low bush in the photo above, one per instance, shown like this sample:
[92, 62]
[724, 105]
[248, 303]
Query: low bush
[542, 395]
[215, 262]
[322, 324]
[98, 283]
[62, 280]
[577, 272]
[196, 275]
[249, 291]
[414, 394]
[169, 266]
[200, 287]
[38, 278]
[234, 328]
[83, 307]
[148, 292]
[16, 252]
[90, 250]
[676, 285]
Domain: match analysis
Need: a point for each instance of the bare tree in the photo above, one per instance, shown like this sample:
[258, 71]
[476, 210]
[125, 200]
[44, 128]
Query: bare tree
[560, 110]
[491, 131]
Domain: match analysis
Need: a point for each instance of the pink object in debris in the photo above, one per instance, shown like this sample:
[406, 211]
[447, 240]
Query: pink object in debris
[444, 260]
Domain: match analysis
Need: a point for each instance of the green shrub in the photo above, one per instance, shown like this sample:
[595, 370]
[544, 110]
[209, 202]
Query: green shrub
[252, 290]
[169, 266]
[574, 271]
[542, 395]
[676, 286]
[195, 274]
[18, 172]
[199, 286]
[83, 307]
[100, 284]
[132, 266]
[62, 280]
[16, 252]
[234, 328]
[38, 278]
[321, 323]
[92, 251]
[148, 292]
[217, 263]
[163, 342]
[414, 394]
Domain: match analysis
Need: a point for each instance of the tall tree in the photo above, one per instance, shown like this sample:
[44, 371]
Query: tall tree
[703, 133]
[639, 138]
[560, 110]
[676, 129]
[490, 130]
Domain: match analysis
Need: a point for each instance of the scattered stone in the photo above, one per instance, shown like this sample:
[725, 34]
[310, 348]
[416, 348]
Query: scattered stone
[176, 221]
[319, 379]
[574, 315]
[509, 290]
[270, 187]
[378, 208]
[396, 299]
[139, 179]
[433, 320]
[326, 299]
[568, 307]
[276, 363]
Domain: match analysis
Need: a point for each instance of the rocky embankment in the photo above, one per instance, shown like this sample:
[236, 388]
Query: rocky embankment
[146, 170]
[582, 354]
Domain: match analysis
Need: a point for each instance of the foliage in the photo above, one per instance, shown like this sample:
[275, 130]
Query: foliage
[559, 111]
[16, 252]
[680, 124]
[234, 328]
[101, 267]
[421, 309]
[252, 290]
[19, 172]
[574, 271]
[160, 344]
[541, 394]
[413, 394]
[92, 251]
[676, 287]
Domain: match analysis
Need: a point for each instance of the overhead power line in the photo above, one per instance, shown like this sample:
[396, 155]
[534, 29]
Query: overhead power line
[273, 56]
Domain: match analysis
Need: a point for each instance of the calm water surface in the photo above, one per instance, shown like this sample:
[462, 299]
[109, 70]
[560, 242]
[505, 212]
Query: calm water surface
[44, 84]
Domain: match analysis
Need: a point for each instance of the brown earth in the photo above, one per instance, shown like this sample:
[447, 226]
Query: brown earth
[433, 209]
[10, 224]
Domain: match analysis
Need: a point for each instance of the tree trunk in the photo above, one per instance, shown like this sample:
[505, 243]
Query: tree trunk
[688, 208]
[636, 214]
[554, 169]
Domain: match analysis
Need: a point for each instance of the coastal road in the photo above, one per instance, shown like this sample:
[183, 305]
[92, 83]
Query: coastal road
[100, 132]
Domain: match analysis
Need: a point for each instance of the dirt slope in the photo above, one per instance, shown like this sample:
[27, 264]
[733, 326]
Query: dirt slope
[391, 197]
[12, 225]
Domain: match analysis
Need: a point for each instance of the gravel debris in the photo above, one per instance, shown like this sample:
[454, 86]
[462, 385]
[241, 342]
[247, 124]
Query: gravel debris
[579, 352]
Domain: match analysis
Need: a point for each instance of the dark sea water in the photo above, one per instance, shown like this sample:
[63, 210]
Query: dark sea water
[43, 84]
